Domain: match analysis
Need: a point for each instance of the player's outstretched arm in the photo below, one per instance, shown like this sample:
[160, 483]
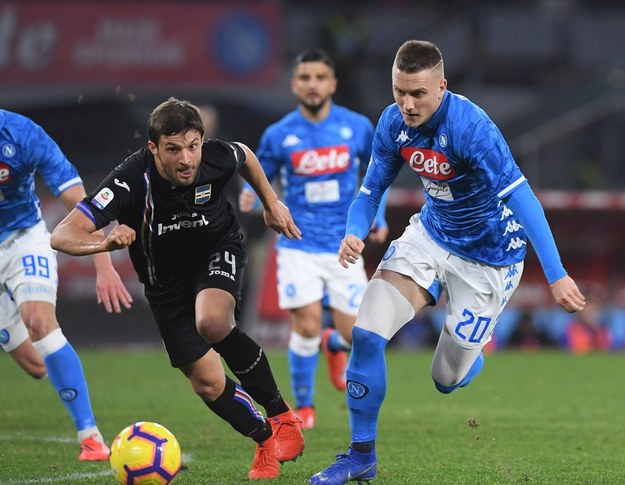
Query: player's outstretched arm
[566, 294]
[110, 290]
[276, 215]
[75, 235]
[530, 213]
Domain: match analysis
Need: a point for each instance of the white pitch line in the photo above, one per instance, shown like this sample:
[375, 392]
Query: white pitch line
[61, 479]
[186, 459]
[48, 439]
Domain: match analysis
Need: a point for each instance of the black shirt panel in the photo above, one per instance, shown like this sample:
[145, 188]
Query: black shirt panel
[176, 227]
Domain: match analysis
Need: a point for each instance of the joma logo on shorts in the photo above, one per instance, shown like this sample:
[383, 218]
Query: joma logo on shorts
[221, 273]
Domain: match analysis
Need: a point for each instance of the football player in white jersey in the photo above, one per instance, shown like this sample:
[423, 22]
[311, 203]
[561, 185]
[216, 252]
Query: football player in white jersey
[468, 240]
[29, 330]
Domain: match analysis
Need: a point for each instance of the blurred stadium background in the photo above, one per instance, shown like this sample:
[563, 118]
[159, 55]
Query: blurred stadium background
[550, 73]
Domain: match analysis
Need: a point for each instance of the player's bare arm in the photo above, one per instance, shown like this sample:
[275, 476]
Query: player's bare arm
[110, 289]
[76, 235]
[276, 215]
[350, 250]
[566, 294]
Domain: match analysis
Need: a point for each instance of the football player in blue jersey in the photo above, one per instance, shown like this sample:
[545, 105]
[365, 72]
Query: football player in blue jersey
[29, 330]
[319, 149]
[469, 241]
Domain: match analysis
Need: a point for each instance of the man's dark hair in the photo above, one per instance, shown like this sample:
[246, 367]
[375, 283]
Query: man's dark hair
[417, 55]
[174, 117]
[313, 55]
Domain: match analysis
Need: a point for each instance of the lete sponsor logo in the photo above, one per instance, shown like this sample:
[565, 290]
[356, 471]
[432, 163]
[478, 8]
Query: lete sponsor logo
[428, 163]
[317, 161]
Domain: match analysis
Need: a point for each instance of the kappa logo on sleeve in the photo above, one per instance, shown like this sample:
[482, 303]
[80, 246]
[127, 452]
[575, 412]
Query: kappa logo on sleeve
[103, 198]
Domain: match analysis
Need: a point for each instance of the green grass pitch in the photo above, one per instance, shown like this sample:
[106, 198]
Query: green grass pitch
[544, 418]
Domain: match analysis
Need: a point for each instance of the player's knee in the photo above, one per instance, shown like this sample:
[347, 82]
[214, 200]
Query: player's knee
[213, 327]
[39, 317]
[384, 309]
[37, 372]
[207, 384]
[29, 359]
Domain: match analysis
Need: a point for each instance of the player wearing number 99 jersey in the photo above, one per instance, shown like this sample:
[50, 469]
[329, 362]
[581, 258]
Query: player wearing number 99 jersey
[29, 331]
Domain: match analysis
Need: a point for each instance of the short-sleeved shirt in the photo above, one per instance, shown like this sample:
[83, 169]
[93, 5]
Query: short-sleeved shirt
[177, 228]
[319, 165]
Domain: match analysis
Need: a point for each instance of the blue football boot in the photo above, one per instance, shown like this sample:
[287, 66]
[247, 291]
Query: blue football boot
[351, 466]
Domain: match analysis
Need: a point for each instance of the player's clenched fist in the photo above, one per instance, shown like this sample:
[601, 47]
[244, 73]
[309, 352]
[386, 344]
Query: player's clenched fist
[120, 237]
[350, 250]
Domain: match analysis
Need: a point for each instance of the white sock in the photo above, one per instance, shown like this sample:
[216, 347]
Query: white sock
[93, 430]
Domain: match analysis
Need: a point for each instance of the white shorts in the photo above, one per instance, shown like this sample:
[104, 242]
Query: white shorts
[13, 335]
[304, 278]
[476, 293]
[28, 271]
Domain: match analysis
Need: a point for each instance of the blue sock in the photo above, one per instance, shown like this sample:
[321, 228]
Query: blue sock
[303, 370]
[366, 384]
[475, 369]
[66, 375]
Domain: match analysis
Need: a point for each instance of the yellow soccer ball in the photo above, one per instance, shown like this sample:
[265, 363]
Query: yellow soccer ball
[145, 453]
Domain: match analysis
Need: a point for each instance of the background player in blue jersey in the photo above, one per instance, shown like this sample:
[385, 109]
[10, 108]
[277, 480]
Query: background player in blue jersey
[318, 150]
[29, 330]
[469, 240]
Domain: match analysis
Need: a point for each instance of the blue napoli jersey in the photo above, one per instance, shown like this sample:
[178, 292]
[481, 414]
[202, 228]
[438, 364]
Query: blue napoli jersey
[25, 149]
[319, 168]
[466, 169]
